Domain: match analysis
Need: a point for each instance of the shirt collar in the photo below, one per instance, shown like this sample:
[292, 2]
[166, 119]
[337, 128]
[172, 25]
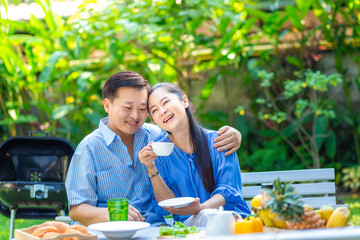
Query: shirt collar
[107, 133]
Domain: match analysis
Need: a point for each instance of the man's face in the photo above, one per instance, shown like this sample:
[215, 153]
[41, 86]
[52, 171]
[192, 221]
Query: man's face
[127, 112]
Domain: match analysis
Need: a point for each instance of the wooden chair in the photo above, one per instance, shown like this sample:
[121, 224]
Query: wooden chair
[316, 186]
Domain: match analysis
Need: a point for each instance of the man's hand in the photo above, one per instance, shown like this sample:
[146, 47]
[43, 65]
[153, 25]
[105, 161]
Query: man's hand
[229, 140]
[134, 214]
[87, 214]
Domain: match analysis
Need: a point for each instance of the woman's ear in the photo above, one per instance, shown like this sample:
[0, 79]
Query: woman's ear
[186, 101]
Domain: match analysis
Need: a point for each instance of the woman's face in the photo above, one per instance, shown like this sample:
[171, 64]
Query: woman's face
[168, 110]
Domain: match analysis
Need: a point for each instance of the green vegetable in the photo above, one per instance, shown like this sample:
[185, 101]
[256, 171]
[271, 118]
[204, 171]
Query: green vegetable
[179, 230]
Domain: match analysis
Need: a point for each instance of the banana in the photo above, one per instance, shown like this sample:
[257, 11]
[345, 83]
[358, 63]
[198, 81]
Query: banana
[325, 212]
[278, 222]
[264, 214]
[339, 218]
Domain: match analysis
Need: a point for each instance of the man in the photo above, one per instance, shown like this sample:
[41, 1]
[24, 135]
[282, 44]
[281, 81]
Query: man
[105, 164]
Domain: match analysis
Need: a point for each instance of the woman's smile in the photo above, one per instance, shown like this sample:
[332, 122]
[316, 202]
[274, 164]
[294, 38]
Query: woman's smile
[168, 118]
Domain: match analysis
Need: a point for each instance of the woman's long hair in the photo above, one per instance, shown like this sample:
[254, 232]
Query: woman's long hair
[198, 140]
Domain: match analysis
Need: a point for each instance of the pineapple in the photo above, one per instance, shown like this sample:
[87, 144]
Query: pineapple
[284, 201]
[289, 210]
[309, 220]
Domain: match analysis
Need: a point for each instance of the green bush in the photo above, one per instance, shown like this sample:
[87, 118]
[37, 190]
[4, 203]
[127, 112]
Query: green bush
[351, 178]
[52, 70]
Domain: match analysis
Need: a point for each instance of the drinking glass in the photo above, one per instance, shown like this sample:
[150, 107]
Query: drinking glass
[118, 209]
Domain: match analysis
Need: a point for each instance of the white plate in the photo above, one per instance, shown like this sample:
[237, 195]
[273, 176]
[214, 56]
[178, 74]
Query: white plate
[177, 202]
[118, 229]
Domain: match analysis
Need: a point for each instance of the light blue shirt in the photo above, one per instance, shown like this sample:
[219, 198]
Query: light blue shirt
[181, 175]
[101, 168]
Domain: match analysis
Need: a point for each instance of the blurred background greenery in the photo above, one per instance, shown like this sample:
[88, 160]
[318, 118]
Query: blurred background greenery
[284, 73]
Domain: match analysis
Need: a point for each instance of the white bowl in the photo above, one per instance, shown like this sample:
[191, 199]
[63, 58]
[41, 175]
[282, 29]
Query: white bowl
[162, 148]
[118, 229]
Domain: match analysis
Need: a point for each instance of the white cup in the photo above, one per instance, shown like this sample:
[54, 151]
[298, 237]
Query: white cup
[162, 148]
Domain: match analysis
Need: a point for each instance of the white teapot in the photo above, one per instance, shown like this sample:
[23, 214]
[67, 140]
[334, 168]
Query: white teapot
[220, 222]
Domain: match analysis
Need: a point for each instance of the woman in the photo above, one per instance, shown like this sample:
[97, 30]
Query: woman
[194, 168]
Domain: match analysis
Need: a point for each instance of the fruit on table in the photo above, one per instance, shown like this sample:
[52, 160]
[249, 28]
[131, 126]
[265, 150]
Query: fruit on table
[271, 219]
[255, 201]
[284, 204]
[278, 221]
[264, 214]
[309, 220]
[284, 209]
[305, 206]
[339, 217]
[251, 224]
[325, 212]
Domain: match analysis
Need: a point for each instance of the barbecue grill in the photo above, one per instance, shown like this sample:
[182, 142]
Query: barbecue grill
[32, 176]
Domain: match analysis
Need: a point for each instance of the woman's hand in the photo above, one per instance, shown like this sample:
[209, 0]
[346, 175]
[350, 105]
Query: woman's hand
[147, 157]
[192, 209]
[229, 140]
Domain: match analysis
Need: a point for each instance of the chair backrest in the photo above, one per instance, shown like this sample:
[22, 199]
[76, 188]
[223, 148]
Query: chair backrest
[316, 186]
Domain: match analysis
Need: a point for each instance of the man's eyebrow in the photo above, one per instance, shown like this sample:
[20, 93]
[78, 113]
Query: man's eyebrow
[129, 102]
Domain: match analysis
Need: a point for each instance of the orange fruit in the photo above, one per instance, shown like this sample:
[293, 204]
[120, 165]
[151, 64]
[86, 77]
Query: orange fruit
[255, 201]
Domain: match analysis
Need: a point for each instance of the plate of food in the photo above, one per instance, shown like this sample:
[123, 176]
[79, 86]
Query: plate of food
[179, 230]
[177, 202]
[54, 230]
[118, 229]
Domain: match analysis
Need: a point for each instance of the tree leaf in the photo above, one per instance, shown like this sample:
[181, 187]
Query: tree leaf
[206, 91]
[61, 111]
[290, 130]
[320, 129]
[294, 17]
[330, 144]
[261, 15]
[49, 66]
[294, 61]
[304, 6]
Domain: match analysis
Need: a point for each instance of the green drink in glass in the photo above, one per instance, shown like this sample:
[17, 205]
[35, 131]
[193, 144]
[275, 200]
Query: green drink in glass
[118, 209]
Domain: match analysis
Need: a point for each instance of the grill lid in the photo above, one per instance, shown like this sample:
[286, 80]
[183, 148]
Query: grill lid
[35, 159]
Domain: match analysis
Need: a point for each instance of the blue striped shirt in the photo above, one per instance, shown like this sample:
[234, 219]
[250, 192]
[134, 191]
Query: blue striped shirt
[101, 168]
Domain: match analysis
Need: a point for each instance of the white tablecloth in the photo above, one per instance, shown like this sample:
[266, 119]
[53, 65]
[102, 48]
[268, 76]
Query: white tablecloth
[316, 234]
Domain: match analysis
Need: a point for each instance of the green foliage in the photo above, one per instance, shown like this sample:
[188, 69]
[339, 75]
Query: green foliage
[52, 70]
[354, 207]
[299, 111]
[57, 60]
[19, 224]
[351, 178]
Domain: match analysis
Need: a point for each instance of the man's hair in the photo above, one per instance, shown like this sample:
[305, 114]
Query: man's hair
[123, 79]
[198, 140]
